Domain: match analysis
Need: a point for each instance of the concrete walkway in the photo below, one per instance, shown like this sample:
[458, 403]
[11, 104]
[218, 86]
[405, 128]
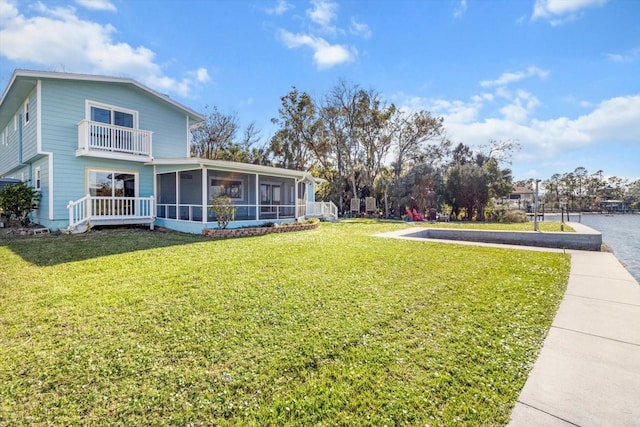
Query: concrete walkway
[588, 371]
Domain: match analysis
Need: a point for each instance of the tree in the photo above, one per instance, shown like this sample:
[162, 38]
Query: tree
[382, 186]
[298, 140]
[340, 112]
[410, 133]
[580, 174]
[211, 138]
[632, 195]
[373, 133]
[17, 200]
[501, 150]
[473, 179]
[217, 139]
[552, 187]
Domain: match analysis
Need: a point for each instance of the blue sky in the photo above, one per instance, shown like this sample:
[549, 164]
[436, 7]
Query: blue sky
[562, 77]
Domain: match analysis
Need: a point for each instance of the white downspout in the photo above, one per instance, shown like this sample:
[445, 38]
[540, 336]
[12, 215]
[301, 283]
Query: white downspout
[257, 197]
[205, 202]
[295, 193]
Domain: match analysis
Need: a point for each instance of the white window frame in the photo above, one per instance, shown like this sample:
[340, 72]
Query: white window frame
[227, 184]
[113, 171]
[37, 178]
[112, 109]
[25, 111]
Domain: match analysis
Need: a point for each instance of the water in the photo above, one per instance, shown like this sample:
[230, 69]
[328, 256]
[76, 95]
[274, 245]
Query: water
[622, 234]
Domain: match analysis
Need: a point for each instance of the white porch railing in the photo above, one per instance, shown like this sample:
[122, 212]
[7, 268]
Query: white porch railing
[116, 139]
[242, 212]
[326, 210]
[114, 210]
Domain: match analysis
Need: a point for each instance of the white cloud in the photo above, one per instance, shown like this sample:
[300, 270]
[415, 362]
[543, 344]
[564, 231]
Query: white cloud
[460, 9]
[57, 38]
[359, 29]
[325, 55]
[202, 75]
[319, 26]
[97, 5]
[280, 8]
[629, 56]
[8, 10]
[544, 142]
[508, 78]
[558, 12]
[323, 14]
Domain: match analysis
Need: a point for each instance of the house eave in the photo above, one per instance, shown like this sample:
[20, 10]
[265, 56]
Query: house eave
[236, 167]
[112, 155]
[30, 77]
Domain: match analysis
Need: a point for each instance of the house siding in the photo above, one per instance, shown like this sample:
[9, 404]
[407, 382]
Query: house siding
[29, 130]
[63, 107]
[9, 152]
[41, 215]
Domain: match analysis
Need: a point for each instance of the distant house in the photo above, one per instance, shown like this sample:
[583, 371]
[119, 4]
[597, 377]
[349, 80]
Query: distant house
[614, 206]
[109, 150]
[521, 198]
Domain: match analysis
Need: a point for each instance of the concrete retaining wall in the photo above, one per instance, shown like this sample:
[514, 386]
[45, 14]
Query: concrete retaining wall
[584, 238]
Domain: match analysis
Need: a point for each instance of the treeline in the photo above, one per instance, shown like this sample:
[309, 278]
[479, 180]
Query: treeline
[588, 192]
[363, 147]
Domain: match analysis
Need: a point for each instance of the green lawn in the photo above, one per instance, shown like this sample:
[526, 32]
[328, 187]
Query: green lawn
[325, 327]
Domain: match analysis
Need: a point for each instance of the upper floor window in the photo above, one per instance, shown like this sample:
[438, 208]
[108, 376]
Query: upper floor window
[112, 115]
[5, 136]
[26, 111]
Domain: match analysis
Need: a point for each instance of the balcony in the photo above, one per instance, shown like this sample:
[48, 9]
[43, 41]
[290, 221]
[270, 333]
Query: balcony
[97, 139]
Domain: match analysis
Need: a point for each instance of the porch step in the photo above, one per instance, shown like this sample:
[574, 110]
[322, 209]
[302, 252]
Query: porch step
[121, 220]
[78, 229]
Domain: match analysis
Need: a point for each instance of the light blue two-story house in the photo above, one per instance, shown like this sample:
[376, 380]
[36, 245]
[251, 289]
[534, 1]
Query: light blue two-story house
[109, 150]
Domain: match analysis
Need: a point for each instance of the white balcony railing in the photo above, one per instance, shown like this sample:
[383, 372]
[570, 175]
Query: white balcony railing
[105, 138]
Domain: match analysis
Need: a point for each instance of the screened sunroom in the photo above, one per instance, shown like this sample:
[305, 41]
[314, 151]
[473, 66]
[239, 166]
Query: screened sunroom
[259, 194]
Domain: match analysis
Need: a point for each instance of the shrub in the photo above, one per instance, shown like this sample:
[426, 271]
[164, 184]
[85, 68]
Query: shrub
[223, 208]
[495, 214]
[17, 201]
[515, 216]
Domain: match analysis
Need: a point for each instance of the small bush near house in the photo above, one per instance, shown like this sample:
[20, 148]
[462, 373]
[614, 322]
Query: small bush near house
[223, 208]
[17, 200]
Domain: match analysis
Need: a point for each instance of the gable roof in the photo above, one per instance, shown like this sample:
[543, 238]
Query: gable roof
[23, 81]
[522, 190]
